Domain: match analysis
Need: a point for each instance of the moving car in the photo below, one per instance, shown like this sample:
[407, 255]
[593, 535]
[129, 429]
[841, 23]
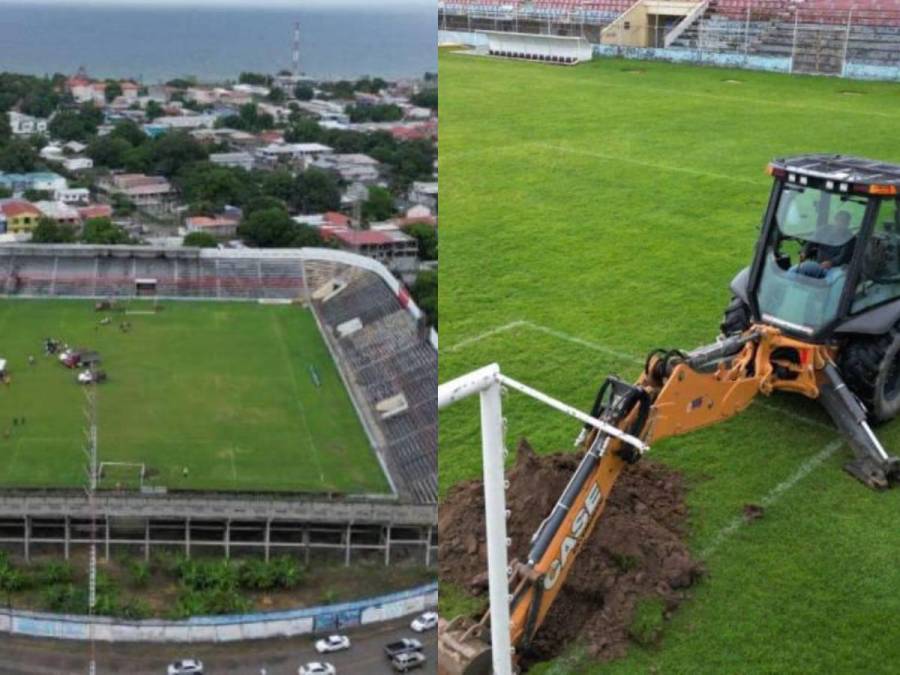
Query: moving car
[403, 646]
[317, 668]
[333, 643]
[407, 661]
[186, 667]
[423, 622]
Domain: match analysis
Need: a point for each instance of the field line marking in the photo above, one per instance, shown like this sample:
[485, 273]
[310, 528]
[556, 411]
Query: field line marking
[775, 494]
[649, 165]
[603, 349]
[300, 406]
[462, 344]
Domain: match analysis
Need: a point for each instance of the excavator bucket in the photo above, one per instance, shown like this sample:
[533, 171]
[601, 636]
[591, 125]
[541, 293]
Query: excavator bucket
[463, 648]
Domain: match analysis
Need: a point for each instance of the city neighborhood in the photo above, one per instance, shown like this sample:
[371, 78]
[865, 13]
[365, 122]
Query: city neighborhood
[265, 161]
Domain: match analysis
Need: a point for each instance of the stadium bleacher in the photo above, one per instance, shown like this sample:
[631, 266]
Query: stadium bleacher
[390, 356]
[813, 36]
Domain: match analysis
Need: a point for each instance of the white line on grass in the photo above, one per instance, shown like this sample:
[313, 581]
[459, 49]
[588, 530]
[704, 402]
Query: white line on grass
[650, 165]
[603, 349]
[775, 494]
[462, 344]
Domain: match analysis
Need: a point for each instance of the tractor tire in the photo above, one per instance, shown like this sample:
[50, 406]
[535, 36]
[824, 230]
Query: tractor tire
[736, 318]
[871, 368]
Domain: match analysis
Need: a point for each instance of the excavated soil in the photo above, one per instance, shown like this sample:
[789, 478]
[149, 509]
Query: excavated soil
[637, 551]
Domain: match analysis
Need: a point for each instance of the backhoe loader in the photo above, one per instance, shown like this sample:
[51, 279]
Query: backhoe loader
[816, 313]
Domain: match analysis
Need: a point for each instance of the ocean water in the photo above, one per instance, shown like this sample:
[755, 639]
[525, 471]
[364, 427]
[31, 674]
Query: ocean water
[214, 44]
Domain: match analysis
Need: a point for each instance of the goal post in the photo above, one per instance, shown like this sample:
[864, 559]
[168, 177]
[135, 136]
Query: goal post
[119, 475]
[488, 383]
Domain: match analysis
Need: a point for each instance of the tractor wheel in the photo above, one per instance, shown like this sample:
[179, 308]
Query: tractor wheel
[871, 368]
[736, 318]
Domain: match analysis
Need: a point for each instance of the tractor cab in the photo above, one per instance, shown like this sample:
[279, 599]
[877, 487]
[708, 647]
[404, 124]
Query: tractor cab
[828, 252]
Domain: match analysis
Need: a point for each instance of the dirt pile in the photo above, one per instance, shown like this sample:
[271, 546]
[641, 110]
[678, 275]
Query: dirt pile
[637, 551]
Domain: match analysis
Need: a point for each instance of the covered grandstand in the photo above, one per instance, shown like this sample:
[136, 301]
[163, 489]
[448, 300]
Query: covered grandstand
[850, 38]
[390, 355]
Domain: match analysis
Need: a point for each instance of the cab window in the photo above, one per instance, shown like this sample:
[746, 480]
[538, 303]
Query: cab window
[879, 279]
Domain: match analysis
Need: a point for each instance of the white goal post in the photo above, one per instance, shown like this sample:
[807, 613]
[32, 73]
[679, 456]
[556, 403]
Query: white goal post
[140, 467]
[488, 382]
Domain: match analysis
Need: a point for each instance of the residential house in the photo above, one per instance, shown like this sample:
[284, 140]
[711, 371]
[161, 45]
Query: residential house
[61, 212]
[153, 194]
[388, 245]
[222, 226]
[424, 193]
[352, 167]
[178, 122]
[298, 153]
[95, 211]
[26, 125]
[37, 180]
[19, 216]
[73, 196]
[76, 164]
[241, 160]
[83, 90]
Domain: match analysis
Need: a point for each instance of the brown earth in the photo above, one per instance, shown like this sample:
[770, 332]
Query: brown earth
[637, 552]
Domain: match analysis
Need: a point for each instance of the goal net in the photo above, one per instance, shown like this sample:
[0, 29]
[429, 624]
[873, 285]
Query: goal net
[121, 475]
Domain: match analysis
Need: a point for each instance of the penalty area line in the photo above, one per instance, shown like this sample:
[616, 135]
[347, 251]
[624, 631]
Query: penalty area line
[774, 494]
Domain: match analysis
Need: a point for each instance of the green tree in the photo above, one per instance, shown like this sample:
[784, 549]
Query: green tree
[5, 128]
[76, 125]
[382, 112]
[263, 203]
[5, 192]
[153, 110]
[216, 185]
[18, 156]
[427, 238]
[127, 130]
[257, 79]
[200, 240]
[122, 205]
[304, 92]
[303, 130]
[276, 95]
[279, 184]
[268, 228]
[425, 293]
[173, 151]
[104, 231]
[427, 98]
[109, 151]
[316, 191]
[379, 206]
[113, 91]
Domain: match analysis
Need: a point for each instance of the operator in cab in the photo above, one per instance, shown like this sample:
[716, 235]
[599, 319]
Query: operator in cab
[832, 246]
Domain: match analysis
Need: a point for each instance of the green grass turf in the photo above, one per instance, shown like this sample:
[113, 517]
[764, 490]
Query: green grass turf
[220, 388]
[613, 208]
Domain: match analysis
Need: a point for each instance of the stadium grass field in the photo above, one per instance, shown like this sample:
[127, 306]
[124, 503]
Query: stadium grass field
[223, 389]
[593, 213]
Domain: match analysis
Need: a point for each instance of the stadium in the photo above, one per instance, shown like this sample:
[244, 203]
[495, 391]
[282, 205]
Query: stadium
[258, 402]
[599, 211]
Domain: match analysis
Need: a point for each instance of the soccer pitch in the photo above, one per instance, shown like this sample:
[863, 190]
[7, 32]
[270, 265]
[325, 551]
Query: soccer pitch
[594, 213]
[223, 390]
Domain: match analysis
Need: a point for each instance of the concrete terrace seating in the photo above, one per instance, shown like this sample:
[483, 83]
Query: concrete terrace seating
[114, 273]
[388, 356]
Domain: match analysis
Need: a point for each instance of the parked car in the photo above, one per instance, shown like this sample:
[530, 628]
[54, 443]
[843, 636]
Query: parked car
[186, 667]
[333, 643]
[91, 376]
[317, 668]
[423, 622]
[402, 647]
[407, 661]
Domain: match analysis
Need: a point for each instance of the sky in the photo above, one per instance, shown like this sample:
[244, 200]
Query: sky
[221, 3]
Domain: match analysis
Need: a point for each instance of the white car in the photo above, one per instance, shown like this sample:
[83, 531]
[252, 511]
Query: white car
[316, 668]
[333, 643]
[426, 621]
[186, 667]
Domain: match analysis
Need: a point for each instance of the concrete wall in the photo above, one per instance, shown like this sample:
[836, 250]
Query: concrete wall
[224, 628]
